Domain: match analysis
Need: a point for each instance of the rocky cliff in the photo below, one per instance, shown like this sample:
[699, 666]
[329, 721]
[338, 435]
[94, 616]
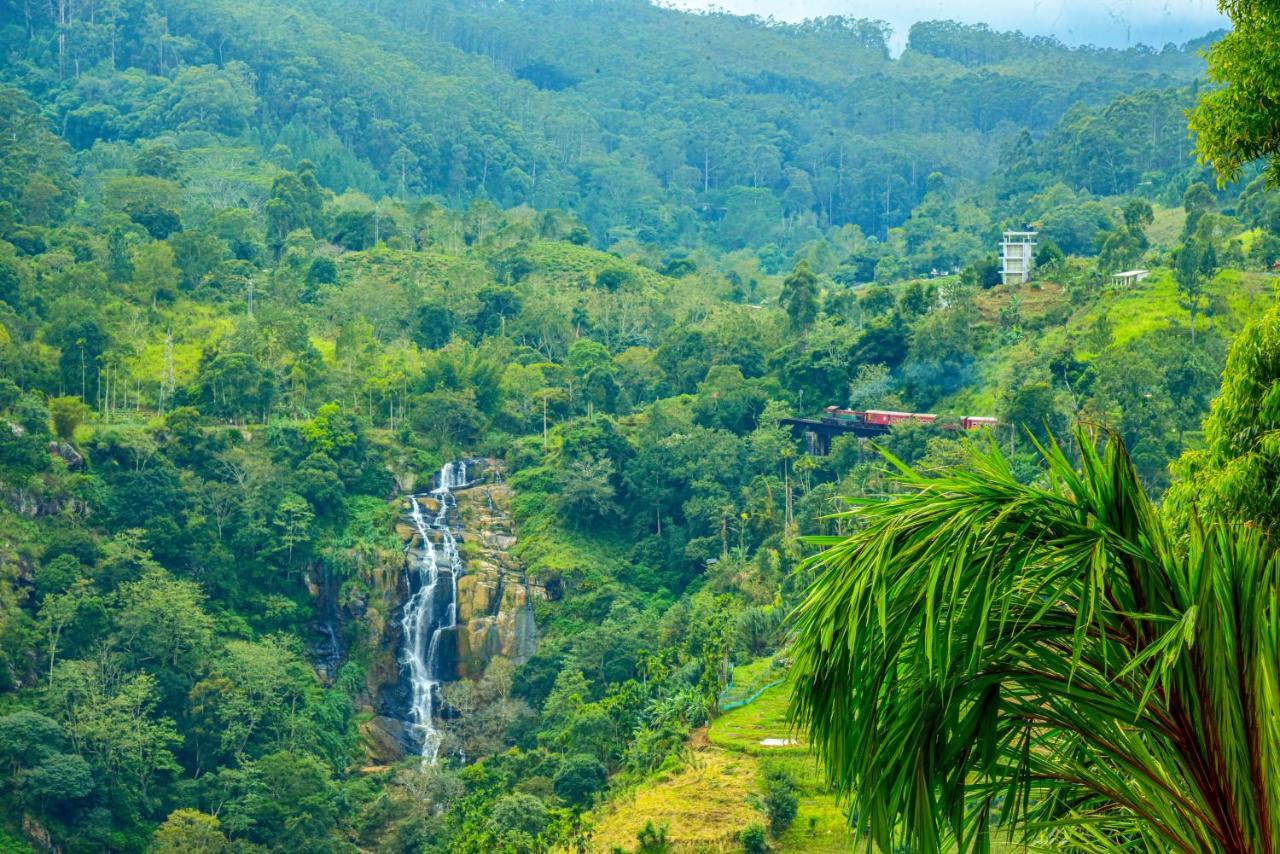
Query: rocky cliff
[495, 597]
[494, 604]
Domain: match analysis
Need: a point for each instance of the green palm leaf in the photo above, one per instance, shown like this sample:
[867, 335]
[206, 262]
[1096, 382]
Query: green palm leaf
[983, 656]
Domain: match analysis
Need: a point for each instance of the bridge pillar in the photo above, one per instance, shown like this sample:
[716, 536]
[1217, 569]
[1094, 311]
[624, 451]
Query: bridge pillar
[819, 443]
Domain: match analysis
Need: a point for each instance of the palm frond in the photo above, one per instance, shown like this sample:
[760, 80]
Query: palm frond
[985, 655]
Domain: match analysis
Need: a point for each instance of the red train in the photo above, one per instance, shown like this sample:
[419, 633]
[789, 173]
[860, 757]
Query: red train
[887, 418]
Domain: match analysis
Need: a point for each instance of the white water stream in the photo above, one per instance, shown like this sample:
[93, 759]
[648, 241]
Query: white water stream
[425, 618]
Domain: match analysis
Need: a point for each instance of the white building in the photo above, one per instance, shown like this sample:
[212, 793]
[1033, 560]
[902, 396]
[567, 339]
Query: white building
[1017, 256]
[1129, 278]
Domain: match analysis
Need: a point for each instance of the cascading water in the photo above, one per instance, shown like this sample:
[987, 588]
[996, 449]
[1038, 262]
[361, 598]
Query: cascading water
[426, 617]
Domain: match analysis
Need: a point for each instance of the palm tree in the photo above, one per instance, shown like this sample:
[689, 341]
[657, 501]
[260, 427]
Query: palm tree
[984, 656]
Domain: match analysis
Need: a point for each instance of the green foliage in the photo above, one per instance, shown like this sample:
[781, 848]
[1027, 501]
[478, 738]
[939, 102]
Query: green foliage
[1227, 477]
[753, 839]
[1235, 123]
[264, 265]
[187, 830]
[67, 414]
[779, 800]
[290, 801]
[652, 839]
[579, 778]
[800, 296]
[1059, 680]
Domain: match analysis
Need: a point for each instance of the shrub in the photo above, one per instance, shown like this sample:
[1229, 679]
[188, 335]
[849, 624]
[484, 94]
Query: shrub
[652, 839]
[753, 839]
[780, 800]
[579, 778]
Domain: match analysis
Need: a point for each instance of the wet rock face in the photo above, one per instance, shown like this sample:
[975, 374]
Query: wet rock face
[494, 605]
[495, 597]
[384, 739]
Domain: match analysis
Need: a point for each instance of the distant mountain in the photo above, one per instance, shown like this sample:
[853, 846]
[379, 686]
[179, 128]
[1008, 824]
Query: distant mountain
[647, 122]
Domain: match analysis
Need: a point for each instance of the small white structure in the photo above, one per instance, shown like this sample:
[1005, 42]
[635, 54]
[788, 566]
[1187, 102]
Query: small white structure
[1129, 278]
[1017, 256]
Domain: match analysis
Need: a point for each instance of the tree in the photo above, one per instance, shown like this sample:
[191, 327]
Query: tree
[1237, 122]
[800, 296]
[57, 779]
[110, 719]
[293, 520]
[983, 273]
[1030, 405]
[210, 98]
[27, 737]
[753, 839]
[235, 385]
[197, 254]
[614, 277]
[1196, 201]
[155, 272]
[162, 618]
[1231, 475]
[83, 342]
[10, 282]
[1137, 213]
[159, 220]
[578, 778]
[1052, 648]
[188, 831]
[67, 413]
[729, 401]
[586, 490]
[519, 818]
[593, 373]
[1193, 264]
[480, 711]
[1048, 255]
[159, 160]
[58, 611]
[780, 800]
[291, 803]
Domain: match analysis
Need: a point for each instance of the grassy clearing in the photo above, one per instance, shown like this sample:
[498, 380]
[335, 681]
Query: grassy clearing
[820, 827]
[1153, 304]
[704, 805]
[746, 726]
[708, 802]
[750, 678]
[1166, 231]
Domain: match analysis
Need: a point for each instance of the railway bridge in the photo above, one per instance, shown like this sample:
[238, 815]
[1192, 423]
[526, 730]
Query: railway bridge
[820, 431]
[870, 423]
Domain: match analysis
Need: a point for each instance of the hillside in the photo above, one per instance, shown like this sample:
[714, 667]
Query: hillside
[705, 126]
[388, 383]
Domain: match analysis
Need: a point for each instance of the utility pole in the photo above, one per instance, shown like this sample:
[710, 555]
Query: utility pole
[168, 384]
[80, 344]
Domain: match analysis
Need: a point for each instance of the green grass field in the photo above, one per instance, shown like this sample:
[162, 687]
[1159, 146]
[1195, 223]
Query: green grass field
[706, 803]
[697, 803]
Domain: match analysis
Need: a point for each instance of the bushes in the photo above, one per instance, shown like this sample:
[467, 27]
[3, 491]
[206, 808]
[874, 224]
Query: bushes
[753, 839]
[652, 839]
[779, 801]
[580, 777]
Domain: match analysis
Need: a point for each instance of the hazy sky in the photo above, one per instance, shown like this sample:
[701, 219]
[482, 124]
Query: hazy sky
[1111, 23]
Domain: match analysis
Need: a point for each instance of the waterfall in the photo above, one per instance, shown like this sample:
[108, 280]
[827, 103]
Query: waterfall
[426, 617]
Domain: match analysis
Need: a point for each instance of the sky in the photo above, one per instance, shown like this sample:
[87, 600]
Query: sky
[1107, 23]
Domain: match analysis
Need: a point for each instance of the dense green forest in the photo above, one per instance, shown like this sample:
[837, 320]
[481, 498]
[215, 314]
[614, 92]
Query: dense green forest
[266, 268]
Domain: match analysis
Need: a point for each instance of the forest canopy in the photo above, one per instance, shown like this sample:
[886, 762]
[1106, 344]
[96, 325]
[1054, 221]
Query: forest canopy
[267, 269]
